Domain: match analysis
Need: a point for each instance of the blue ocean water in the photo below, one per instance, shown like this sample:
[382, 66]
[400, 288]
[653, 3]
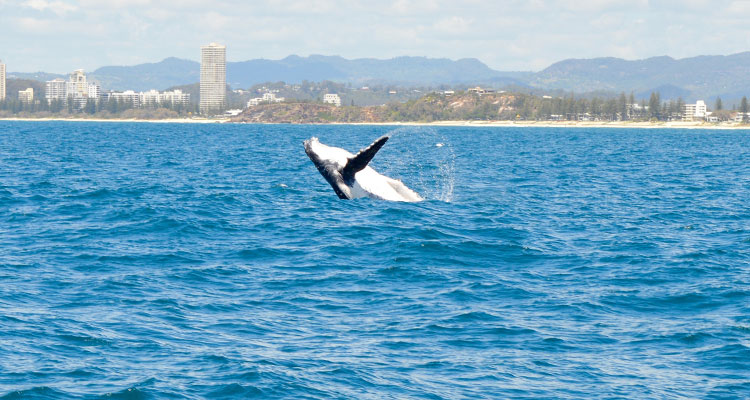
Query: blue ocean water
[149, 261]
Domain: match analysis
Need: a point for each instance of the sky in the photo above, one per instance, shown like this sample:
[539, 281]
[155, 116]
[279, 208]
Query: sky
[514, 35]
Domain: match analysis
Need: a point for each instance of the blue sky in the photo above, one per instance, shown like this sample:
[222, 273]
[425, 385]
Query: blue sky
[62, 35]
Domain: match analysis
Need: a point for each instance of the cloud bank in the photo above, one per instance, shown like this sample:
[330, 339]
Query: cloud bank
[61, 35]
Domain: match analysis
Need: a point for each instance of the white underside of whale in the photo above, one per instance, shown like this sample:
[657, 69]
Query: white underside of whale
[367, 182]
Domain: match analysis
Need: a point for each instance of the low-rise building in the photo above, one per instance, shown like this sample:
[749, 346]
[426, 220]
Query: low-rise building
[128, 97]
[175, 97]
[480, 91]
[692, 112]
[332, 98]
[152, 98]
[26, 96]
[268, 97]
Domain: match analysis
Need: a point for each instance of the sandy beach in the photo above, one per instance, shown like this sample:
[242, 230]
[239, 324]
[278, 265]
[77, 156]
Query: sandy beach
[570, 124]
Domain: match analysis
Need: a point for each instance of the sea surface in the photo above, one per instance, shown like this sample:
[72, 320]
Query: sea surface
[166, 261]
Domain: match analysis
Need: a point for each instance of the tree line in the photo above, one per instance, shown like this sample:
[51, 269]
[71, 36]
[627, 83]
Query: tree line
[102, 107]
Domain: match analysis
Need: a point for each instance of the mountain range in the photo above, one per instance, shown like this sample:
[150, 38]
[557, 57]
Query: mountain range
[690, 78]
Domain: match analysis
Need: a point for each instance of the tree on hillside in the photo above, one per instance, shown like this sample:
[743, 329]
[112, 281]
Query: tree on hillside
[744, 108]
[718, 106]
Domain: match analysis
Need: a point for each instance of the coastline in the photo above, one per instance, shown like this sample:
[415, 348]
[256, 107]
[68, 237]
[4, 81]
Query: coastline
[566, 124]
[478, 124]
[162, 121]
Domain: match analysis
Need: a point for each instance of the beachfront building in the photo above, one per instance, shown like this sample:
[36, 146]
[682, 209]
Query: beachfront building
[76, 89]
[127, 97]
[332, 98]
[693, 112]
[2, 81]
[213, 85]
[175, 98]
[55, 90]
[150, 99]
[26, 96]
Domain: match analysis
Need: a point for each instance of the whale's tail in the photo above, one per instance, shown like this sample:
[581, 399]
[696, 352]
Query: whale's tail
[360, 161]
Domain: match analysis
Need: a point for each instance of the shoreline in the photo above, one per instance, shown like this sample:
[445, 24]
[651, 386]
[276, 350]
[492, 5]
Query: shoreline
[156, 121]
[478, 124]
[564, 124]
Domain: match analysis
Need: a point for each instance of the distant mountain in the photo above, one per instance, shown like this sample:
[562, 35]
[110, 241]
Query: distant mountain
[703, 77]
[695, 77]
[169, 72]
[36, 76]
[294, 69]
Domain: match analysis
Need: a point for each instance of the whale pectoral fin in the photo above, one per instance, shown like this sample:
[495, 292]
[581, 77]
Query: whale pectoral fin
[360, 161]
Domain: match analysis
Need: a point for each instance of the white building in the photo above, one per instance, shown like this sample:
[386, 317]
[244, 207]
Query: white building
[2, 81]
[152, 98]
[268, 97]
[175, 97]
[55, 90]
[26, 96]
[692, 112]
[76, 89]
[213, 78]
[77, 86]
[126, 97]
[332, 98]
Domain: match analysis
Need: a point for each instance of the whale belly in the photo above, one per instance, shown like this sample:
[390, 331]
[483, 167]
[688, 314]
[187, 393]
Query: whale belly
[369, 183]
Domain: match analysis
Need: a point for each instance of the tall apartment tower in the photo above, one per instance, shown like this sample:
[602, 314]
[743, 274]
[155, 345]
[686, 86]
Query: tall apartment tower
[213, 78]
[2, 81]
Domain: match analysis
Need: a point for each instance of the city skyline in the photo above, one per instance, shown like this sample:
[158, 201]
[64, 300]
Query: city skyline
[41, 35]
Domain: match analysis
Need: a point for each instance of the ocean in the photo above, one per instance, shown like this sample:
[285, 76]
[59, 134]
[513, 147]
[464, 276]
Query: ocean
[165, 261]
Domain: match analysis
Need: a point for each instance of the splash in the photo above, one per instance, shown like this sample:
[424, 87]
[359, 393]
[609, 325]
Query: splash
[423, 158]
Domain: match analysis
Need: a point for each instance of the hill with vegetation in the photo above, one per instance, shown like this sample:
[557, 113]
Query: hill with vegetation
[692, 78]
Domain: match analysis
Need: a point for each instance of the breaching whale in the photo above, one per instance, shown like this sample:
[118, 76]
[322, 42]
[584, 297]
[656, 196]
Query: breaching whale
[351, 177]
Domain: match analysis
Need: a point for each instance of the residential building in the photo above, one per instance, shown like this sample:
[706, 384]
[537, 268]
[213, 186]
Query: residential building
[76, 89]
[213, 85]
[55, 90]
[2, 81]
[268, 97]
[126, 97]
[26, 96]
[480, 91]
[332, 98]
[175, 97]
[692, 112]
[152, 98]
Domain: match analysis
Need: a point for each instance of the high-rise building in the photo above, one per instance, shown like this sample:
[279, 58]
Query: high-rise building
[55, 90]
[76, 89]
[213, 79]
[77, 85]
[2, 81]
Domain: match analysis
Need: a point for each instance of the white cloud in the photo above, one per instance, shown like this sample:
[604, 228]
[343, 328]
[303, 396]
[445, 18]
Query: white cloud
[57, 7]
[512, 34]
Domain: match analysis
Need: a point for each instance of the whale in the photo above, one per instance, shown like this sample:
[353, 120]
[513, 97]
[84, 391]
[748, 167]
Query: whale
[351, 177]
